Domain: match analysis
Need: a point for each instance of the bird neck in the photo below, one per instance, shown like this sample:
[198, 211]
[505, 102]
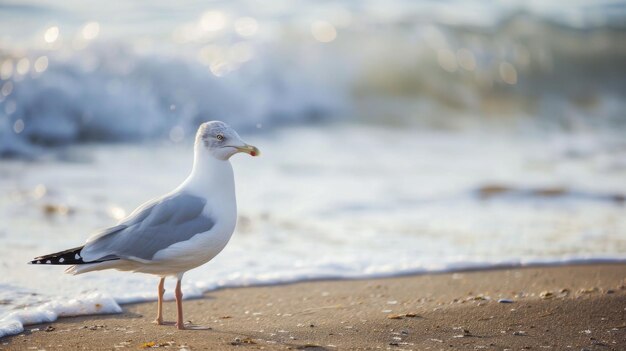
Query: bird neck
[209, 175]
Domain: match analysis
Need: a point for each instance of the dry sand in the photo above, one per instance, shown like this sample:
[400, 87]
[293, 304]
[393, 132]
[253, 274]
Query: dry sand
[557, 308]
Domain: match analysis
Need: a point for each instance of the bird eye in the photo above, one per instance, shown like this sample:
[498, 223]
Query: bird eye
[220, 137]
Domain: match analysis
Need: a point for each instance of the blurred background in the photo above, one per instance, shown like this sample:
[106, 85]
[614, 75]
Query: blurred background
[397, 136]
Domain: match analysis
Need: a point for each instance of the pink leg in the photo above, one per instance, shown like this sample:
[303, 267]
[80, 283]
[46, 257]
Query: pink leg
[159, 318]
[179, 306]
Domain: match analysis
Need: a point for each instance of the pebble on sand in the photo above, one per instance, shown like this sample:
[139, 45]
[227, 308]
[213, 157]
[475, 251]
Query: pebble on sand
[239, 341]
[546, 295]
[394, 316]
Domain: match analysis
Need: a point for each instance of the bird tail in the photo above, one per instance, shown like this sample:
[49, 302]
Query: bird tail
[92, 266]
[70, 256]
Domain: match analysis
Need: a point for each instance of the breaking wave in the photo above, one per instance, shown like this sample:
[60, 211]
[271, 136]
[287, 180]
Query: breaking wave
[419, 64]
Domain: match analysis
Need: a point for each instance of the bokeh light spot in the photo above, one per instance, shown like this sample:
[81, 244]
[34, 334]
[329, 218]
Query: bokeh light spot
[41, 64]
[117, 212]
[39, 191]
[323, 31]
[23, 66]
[51, 35]
[466, 59]
[212, 21]
[508, 73]
[209, 54]
[447, 60]
[177, 134]
[219, 68]
[91, 30]
[7, 88]
[18, 126]
[246, 26]
[6, 69]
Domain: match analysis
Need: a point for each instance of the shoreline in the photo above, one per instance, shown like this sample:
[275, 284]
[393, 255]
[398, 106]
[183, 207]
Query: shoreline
[554, 307]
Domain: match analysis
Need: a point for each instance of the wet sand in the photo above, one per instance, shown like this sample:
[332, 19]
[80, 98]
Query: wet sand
[557, 308]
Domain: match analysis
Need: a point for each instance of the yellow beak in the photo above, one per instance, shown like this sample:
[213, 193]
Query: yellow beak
[249, 149]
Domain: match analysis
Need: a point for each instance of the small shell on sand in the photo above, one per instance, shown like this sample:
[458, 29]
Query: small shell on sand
[588, 290]
[546, 295]
[400, 316]
[240, 341]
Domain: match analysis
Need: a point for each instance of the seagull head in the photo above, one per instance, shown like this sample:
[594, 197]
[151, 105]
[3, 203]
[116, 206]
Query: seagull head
[222, 141]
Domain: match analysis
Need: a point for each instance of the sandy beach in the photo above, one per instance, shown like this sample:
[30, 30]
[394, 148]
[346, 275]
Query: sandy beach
[557, 308]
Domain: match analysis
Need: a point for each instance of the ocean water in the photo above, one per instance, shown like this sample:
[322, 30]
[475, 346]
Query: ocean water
[156, 69]
[338, 201]
[397, 137]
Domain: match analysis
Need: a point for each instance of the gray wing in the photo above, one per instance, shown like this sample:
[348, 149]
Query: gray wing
[152, 227]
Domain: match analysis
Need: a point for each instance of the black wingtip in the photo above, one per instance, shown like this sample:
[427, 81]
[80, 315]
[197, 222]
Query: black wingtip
[67, 257]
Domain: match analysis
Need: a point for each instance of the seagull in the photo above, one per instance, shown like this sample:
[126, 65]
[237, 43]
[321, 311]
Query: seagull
[176, 232]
